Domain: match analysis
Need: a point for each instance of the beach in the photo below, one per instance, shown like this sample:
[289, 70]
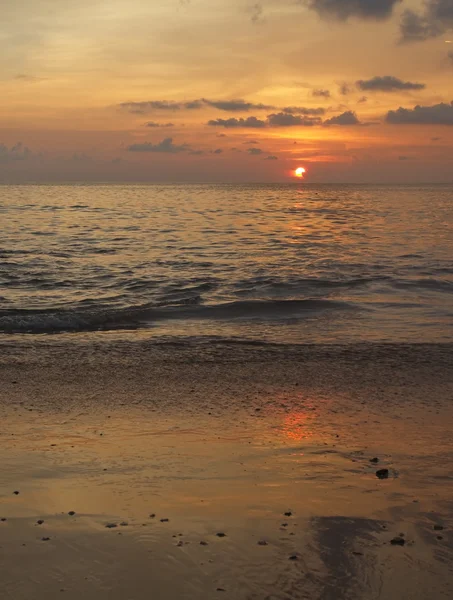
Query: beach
[157, 448]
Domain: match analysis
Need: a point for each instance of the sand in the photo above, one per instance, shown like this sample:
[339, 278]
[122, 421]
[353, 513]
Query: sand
[222, 438]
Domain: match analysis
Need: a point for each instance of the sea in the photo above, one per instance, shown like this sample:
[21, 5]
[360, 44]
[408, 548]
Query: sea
[282, 264]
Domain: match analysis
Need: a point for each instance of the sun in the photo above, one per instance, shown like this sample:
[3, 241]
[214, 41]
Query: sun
[299, 172]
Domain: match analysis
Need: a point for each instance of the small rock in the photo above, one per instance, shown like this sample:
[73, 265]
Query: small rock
[45, 539]
[220, 590]
[180, 543]
[221, 534]
[164, 520]
[124, 524]
[111, 525]
[3, 519]
[357, 553]
[203, 543]
[374, 460]
[382, 474]
[16, 493]
[262, 543]
[438, 527]
[440, 537]
[293, 557]
[71, 513]
[152, 516]
[288, 513]
[40, 521]
[398, 541]
[284, 524]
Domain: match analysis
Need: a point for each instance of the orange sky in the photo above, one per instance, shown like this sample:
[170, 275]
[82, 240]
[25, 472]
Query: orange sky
[226, 90]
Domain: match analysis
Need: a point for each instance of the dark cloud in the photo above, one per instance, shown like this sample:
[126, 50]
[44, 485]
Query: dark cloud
[249, 122]
[165, 145]
[254, 151]
[434, 20]
[387, 83]
[321, 93]
[272, 157]
[438, 114]
[14, 153]
[256, 12]
[154, 124]
[289, 120]
[345, 89]
[345, 9]
[236, 105]
[346, 118]
[302, 110]
[141, 108]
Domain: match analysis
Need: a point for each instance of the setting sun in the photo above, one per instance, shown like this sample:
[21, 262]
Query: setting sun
[299, 172]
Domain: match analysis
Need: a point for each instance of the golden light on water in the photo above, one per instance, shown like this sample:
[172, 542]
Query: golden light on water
[299, 172]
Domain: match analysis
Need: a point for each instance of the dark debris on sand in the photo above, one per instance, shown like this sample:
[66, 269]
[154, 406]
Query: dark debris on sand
[382, 474]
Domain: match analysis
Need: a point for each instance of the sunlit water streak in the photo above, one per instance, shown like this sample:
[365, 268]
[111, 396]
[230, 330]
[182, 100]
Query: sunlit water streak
[285, 263]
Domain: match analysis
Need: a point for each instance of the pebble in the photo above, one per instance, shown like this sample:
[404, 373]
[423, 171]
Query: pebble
[203, 543]
[40, 521]
[440, 537]
[3, 519]
[45, 539]
[220, 590]
[16, 493]
[221, 534]
[164, 520]
[111, 525]
[293, 557]
[124, 524]
[262, 543]
[288, 514]
[152, 516]
[382, 474]
[438, 527]
[71, 513]
[398, 541]
[374, 460]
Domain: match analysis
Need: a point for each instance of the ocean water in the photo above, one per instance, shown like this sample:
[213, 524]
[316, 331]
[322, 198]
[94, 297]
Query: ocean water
[294, 263]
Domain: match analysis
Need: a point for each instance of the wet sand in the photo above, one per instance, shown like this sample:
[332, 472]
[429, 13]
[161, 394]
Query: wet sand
[226, 439]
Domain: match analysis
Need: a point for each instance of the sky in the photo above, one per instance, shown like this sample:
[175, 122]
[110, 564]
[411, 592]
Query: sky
[226, 90]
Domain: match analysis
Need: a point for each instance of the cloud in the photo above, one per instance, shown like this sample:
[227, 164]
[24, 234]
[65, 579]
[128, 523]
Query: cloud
[387, 83]
[154, 124]
[321, 93]
[141, 108]
[302, 110]
[272, 157]
[254, 151]
[249, 122]
[345, 9]
[346, 118]
[236, 105]
[289, 120]
[345, 89]
[438, 114]
[16, 152]
[256, 12]
[165, 145]
[435, 20]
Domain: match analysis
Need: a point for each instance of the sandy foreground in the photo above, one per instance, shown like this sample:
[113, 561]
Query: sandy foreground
[171, 445]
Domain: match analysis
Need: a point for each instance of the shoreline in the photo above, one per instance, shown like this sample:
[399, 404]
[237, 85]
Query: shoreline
[225, 439]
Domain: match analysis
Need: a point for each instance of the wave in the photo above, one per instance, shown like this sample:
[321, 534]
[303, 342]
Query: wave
[143, 316]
